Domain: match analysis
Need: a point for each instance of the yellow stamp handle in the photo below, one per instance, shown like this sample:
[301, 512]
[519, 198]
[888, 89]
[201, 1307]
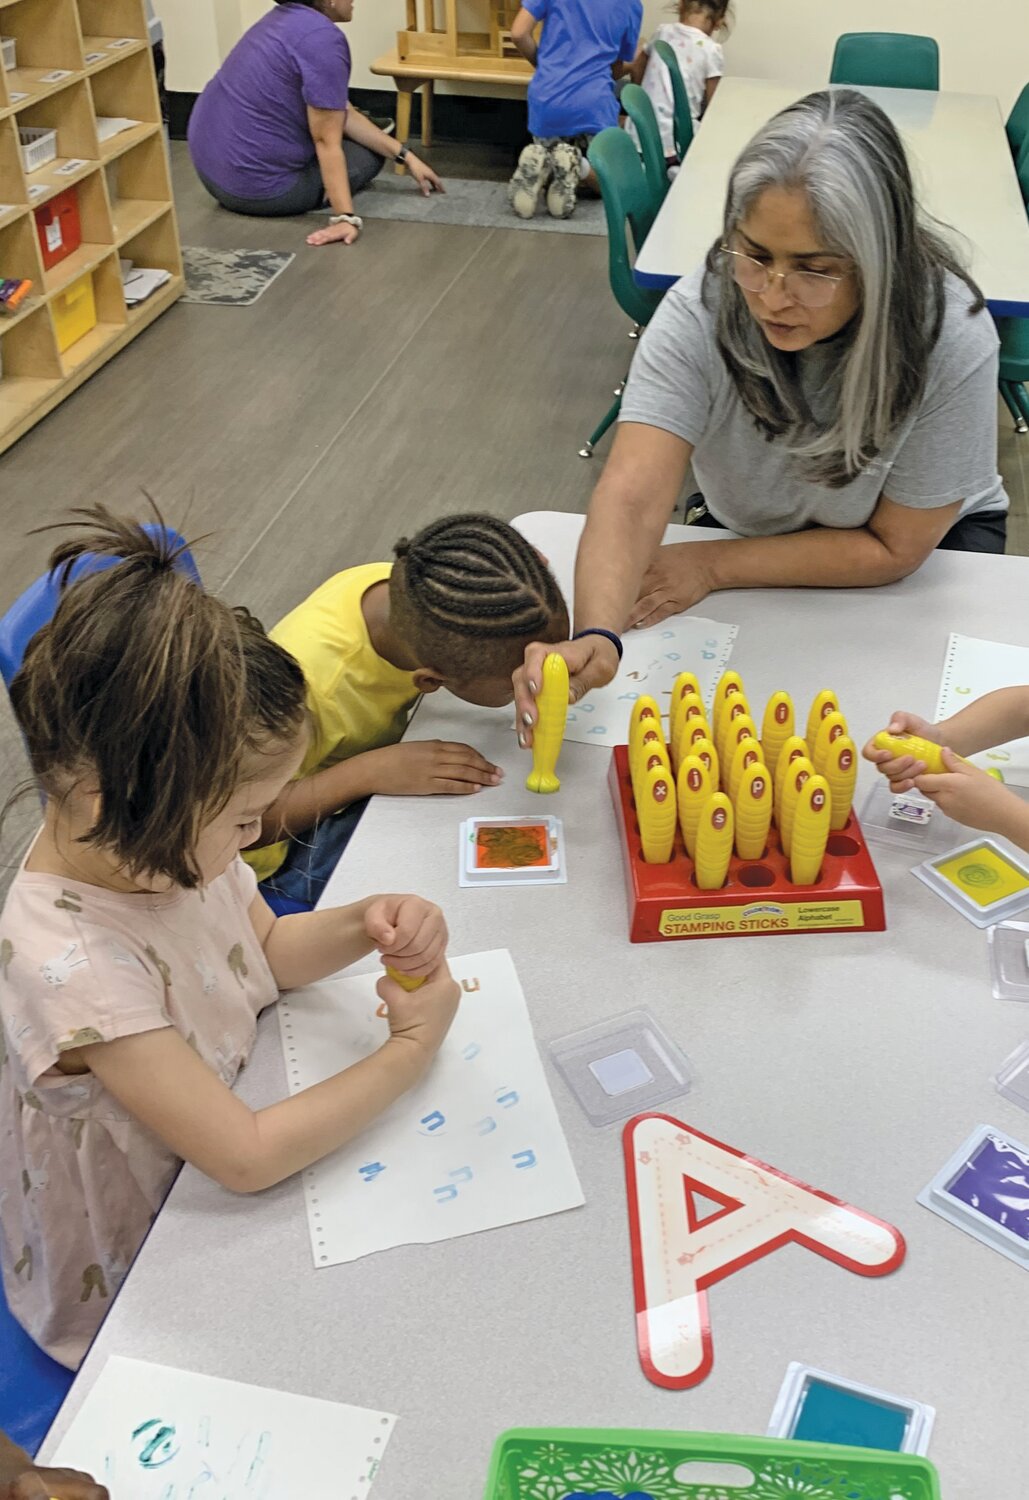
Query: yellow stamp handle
[714, 840]
[549, 734]
[406, 981]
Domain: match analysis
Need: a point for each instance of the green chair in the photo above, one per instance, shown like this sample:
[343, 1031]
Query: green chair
[630, 210]
[886, 59]
[637, 105]
[682, 115]
[1022, 169]
[1018, 124]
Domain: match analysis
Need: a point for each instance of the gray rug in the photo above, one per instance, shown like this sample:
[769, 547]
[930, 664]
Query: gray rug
[230, 278]
[468, 201]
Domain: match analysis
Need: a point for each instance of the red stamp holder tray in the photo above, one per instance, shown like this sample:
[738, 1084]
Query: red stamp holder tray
[758, 898]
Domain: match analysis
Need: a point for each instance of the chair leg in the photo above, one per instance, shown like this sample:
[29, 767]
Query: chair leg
[598, 432]
[1021, 396]
[1019, 409]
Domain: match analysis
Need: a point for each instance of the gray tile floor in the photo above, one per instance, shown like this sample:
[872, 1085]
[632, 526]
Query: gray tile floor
[371, 389]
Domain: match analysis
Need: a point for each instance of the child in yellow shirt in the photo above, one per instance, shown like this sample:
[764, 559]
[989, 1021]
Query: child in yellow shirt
[456, 610]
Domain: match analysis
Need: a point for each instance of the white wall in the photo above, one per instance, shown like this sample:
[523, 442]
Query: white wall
[790, 39]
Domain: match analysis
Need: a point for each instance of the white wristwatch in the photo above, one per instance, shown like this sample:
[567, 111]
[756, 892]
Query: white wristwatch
[354, 219]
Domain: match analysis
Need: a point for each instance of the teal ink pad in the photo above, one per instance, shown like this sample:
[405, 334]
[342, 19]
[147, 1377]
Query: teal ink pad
[817, 1407]
[831, 1414]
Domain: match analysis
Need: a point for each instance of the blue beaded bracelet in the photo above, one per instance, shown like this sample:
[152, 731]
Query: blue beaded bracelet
[608, 635]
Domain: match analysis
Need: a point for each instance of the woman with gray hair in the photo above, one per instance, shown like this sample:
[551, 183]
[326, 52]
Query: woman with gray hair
[832, 373]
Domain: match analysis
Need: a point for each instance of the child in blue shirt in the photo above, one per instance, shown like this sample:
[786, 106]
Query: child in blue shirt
[584, 47]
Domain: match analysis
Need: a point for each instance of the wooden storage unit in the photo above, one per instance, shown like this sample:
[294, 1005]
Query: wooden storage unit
[79, 62]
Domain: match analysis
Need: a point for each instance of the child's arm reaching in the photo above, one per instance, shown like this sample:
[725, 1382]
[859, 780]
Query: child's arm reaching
[522, 28]
[162, 1082]
[990, 720]
[414, 768]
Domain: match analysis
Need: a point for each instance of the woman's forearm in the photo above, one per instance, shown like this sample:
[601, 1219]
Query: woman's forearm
[818, 558]
[333, 166]
[628, 513]
[363, 132]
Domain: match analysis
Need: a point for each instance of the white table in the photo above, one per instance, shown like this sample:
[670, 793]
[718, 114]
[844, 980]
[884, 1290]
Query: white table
[856, 1062]
[959, 157]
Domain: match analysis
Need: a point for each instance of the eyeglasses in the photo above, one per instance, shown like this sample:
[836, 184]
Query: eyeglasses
[808, 288]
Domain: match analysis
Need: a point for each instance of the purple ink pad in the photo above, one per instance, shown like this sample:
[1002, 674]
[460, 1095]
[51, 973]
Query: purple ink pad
[984, 1190]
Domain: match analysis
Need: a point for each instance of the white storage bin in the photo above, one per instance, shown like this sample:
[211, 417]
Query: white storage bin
[37, 147]
[9, 50]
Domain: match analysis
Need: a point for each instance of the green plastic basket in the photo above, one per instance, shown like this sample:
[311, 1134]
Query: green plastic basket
[549, 1463]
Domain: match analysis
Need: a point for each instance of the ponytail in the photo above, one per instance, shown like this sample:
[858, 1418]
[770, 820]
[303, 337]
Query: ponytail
[152, 689]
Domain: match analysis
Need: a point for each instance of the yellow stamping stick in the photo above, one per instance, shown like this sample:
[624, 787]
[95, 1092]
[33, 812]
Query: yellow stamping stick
[729, 684]
[792, 750]
[649, 743]
[644, 715]
[685, 683]
[552, 704]
[840, 771]
[714, 842]
[696, 729]
[747, 753]
[694, 789]
[776, 727]
[917, 748]
[736, 708]
[656, 813]
[709, 755]
[825, 703]
[797, 773]
[689, 709]
[406, 981]
[812, 820]
[829, 730]
[924, 750]
[738, 730]
[753, 808]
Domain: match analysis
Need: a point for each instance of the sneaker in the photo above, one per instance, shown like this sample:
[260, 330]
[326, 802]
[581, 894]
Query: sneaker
[564, 184]
[530, 178]
[385, 124]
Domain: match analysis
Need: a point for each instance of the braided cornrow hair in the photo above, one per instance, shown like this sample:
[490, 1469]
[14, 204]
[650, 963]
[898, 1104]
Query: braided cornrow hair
[470, 592]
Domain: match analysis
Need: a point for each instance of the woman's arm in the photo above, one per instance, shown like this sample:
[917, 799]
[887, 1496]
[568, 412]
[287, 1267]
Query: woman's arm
[361, 130]
[326, 127]
[630, 508]
[164, 1085]
[895, 542]
[523, 28]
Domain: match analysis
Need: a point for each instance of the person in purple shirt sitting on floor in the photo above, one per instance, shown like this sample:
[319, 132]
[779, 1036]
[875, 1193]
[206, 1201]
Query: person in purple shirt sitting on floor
[267, 133]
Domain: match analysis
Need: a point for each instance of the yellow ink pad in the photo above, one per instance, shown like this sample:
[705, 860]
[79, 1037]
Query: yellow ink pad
[981, 880]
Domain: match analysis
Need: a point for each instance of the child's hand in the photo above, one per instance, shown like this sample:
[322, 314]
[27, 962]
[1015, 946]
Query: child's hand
[52, 1484]
[422, 1016]
[901, 770]
[411, 934]
[422, 768]
[970, 796]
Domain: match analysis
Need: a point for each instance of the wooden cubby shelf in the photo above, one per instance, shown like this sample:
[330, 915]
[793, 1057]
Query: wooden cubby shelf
[79, 63]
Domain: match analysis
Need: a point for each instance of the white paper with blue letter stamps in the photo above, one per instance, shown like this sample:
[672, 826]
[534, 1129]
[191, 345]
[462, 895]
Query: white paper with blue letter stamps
[150, 1432]
[475, 1145]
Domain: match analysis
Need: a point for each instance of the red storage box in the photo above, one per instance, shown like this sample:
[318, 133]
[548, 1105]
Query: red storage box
[58, 227]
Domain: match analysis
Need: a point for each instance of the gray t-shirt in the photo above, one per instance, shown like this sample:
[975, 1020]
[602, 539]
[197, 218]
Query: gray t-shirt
[945, 451]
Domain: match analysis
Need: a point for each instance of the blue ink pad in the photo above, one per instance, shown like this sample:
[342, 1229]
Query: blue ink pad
[830, 1414]
[817, 1407]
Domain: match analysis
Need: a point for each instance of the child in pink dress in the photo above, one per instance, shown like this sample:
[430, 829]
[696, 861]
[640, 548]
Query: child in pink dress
[135, 950]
